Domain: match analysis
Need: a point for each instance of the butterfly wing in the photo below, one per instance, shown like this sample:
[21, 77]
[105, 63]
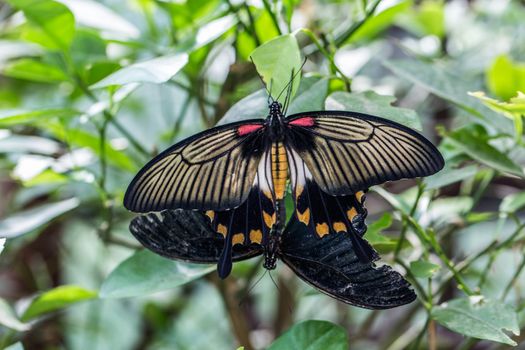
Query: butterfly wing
[323, 214]
[331, 265]
[248, 224]
[347, 151]
[214, 170]
[185, 235]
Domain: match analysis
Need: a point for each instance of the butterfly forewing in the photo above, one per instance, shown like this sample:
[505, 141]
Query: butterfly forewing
[213, 170]
[346, 151]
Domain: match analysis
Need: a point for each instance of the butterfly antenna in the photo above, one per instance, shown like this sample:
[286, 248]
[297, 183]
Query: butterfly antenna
[293, 78]
[248, 291]
[279, 290]
[269, 92]
[288, 96]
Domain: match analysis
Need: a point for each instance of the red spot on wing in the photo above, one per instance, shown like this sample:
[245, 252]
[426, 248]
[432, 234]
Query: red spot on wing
[305, 122]
[248, 128]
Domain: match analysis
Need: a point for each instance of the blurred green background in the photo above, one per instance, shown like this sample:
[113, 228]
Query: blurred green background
[91, 90]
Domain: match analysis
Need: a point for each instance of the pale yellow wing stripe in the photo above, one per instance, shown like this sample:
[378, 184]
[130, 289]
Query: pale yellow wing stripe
[346, 154]
[214, 171]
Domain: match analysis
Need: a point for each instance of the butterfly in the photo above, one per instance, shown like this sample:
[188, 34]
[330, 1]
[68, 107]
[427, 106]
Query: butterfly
[238, 173]
[329, 264]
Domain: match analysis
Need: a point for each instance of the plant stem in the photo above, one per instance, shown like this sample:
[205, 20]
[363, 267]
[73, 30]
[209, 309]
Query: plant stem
[431, 241]
[514, 279]
[420, 189]
[346, 35]
[347, 81]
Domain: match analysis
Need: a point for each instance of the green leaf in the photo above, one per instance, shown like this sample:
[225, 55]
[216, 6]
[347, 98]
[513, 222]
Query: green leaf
[51, 24]
[449, 176]
[371, 103]
[312, 335]
[310, 96]
[423, 268]
[512, 203]
[514, 109]
[30, 219]
[475, 144]
[208, 33]
[478, 318]
[15, 346]
[157, 70]
[426, 18]
[379, 22]
[11, 49]
[264, 29]
[382, 243]
[81, 138]
[95, 15]
[17, 117]
[146, 273]
[9, 319]
[505, 78]
[446, 85]
[56, 299]
[253, 106]
[33, 70]
[275, 61]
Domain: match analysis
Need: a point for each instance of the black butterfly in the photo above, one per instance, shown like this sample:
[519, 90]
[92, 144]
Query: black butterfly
[238, 173]
[329, 264]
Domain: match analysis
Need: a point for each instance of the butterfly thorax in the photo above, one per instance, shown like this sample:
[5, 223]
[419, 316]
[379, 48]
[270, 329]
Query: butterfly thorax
[270, 249]
[276, 122]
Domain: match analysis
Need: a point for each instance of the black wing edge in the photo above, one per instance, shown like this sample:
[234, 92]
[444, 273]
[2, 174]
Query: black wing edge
[185, 235]
[331, 265]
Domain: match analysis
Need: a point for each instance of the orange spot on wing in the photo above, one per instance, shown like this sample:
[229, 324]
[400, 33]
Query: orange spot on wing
[322, 229]
[359, 195]
[256, 236]
[238, 238]
[268, 220]
[223, 230]
[304, 217]
[351, 213]
[339, 227]
[210, 214]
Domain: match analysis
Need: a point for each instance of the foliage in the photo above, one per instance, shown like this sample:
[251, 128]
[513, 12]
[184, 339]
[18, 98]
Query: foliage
[90, 90]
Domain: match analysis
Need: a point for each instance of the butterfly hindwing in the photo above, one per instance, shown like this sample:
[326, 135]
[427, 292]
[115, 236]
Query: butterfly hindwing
[213, 170]
[325, 214]
[331, 265]
[250, 223]
[185, 235]
[347, 151]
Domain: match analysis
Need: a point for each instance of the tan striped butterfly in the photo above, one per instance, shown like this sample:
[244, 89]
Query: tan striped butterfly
[237, 173]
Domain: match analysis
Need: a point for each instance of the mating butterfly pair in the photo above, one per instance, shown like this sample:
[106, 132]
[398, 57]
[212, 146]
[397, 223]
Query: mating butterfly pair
[237, 175]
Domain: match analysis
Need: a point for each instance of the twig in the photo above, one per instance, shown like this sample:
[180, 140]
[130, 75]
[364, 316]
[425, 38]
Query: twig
[514, 279]
[340, 39]
[347, 81]
[431, 241]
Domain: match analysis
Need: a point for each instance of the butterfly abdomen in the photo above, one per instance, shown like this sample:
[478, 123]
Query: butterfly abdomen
[279, 169]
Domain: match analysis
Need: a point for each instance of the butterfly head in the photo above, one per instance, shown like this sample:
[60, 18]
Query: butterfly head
[275, 108]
